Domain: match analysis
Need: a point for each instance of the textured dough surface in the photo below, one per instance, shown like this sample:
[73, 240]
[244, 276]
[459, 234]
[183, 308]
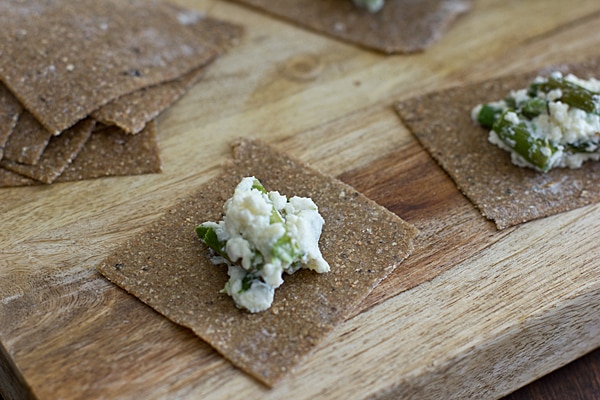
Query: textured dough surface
[45, 59]
[10, 110]
[168, 268]
[107, 152]
[132, 111]
[507, 194]
[58, 154]
[402, 26]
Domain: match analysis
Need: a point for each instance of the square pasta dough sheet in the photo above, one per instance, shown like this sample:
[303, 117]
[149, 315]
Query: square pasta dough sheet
[57, 155]
[505, 193]
[10, 110]
[109, 151]
[169, 268]
[45, 59]
[27, 141]
[402, 26]
[132, 111]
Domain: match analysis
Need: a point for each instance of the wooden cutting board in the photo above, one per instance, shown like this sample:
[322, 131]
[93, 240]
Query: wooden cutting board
[490, 312]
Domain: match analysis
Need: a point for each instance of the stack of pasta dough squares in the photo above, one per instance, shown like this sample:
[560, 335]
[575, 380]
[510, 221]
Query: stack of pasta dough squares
[82, 82]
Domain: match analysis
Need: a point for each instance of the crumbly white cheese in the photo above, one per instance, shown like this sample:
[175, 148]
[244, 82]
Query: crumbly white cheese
[592, 84]
[266, 234]
[561, 124]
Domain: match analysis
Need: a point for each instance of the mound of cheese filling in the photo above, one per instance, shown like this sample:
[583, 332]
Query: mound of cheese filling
[555, 122]
[261, 236]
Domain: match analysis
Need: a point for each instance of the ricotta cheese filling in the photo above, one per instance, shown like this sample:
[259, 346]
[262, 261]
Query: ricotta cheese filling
[261, 236]
[554, 123]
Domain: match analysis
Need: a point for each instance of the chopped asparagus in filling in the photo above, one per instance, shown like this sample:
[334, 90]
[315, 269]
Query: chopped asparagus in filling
[555, 122]
[262, 235]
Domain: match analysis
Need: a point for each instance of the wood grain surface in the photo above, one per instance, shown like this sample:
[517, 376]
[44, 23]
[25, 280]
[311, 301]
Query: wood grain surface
[472, 313]
[579, 379]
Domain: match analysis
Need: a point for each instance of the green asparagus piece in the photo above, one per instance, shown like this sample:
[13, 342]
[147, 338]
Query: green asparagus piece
[521, 135]
[258, 186]
[275, 215]
[247, 282]
[510, 102]
[285, 249]
[208, 235]
[533, 89]
[520, 138]
[533, 107]
[488, 115]
[583, 147]
[573, 94]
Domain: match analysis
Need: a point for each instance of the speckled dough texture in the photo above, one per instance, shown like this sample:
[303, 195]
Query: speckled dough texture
[402, 26]
[168, 268]
[27, 141]
[146, 55]
[10, 110]
[113, 152]
[9, 178]
[136, 43]
[132, 111]
[109, 151]
[507, 194]
[59, 153]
